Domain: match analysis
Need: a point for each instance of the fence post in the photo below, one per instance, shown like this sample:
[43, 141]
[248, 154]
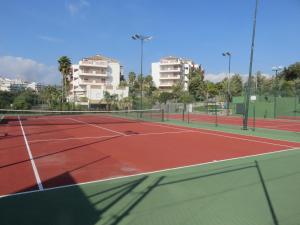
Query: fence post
[275, 106]
[216, 113]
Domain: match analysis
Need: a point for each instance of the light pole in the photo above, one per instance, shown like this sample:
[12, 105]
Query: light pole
[228, 79]
[276, 69]
[248, 88]
[142, 38]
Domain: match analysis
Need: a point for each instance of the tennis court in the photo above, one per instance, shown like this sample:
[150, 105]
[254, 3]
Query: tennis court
[274, 124]
[44, 151]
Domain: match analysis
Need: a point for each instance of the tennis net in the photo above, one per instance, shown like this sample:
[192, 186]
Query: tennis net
[40, 117]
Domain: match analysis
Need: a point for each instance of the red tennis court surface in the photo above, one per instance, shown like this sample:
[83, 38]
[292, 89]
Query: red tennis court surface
[41, 153]
[275, 124]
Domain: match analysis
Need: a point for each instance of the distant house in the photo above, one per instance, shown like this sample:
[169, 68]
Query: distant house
[92, 77]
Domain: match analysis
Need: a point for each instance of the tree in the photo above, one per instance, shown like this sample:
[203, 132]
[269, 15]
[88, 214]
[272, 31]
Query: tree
[123, 84]
[286, 88]
[196, 84]
[148, 86]
[6, 99]
[51, 96]
[25, 100]
[186, 98]
[126, 103]
[211, 89]
[131, 84]
[131, 78]
[164, 97]
[154, 97]
[64, 68]
[110, 99]
[236, 85]
[177, 90]
[292, 72]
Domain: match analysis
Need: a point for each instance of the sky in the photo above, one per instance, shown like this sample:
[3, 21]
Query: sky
[35, 33]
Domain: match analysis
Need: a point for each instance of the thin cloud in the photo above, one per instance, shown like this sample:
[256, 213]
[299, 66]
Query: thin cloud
[28, 69]
[76, 7]
[215, 77]
[49, 39]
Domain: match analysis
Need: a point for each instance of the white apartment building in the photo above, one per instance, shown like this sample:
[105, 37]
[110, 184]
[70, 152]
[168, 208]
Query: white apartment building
[92, 77]
[170, 71]
[7, 84]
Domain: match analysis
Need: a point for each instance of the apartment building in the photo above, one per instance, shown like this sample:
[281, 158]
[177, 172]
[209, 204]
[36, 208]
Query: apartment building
[94, 75]
[14, 85]
[170, 71]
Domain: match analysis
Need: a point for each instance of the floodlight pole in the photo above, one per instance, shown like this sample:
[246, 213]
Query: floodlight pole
[142, 81]
[228, 80]
[142, 38]
[247, 97]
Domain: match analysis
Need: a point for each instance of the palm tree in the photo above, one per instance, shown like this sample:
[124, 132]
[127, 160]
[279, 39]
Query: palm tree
[65, 70]
[108, 99]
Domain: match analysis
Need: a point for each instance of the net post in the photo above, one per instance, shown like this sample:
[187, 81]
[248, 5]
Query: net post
[162, 115]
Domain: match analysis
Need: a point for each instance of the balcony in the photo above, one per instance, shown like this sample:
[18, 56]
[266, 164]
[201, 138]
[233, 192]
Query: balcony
[170, 62]
[92, 82]
[170, 70]
[93, 73]
[166, 84]
[170, 77]
[90, 63]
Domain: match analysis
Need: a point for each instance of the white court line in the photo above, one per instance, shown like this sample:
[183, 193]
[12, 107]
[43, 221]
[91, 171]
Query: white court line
[36, 174]
[283, 125]
[238, 138]
[266, 127]
[149, 173]
[196, 130]
[259, 126]
[247, 139]
[188, 130]
[108, 136]
[260, 120]
[94, 125]
[146, 123]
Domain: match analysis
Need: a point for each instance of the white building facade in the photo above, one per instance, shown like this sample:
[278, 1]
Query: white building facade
[170, 71]
[92, 77]
[14, 85]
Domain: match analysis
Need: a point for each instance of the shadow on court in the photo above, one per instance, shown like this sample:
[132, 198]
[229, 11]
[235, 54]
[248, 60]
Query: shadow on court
[67, 206]
[240, 193]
